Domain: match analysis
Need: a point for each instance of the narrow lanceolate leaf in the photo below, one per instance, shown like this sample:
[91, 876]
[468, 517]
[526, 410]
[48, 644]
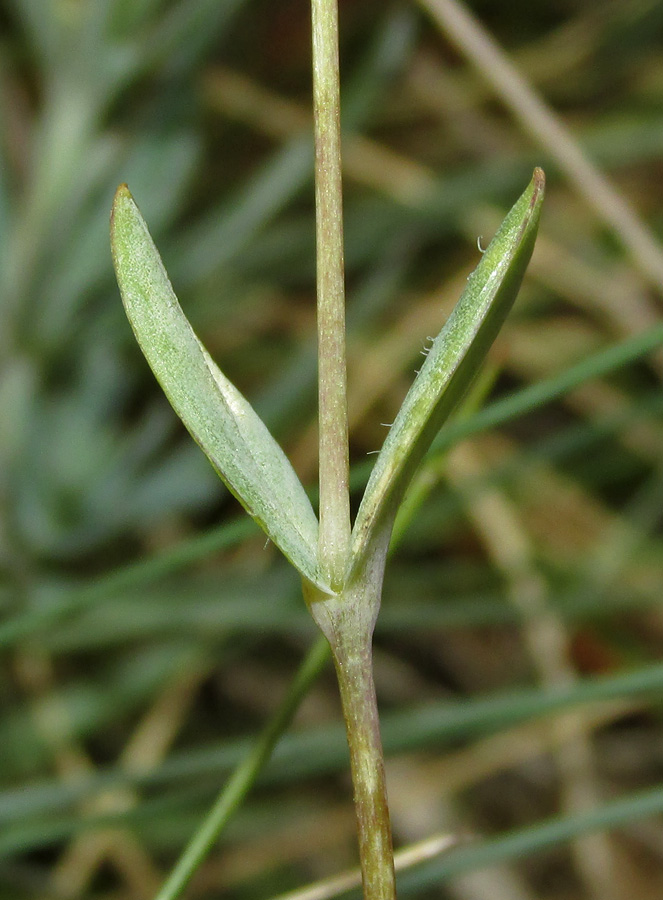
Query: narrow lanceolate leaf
[450, 365]
[221, 420]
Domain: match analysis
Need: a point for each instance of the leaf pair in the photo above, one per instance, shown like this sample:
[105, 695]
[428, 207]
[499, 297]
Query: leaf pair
[236, 440]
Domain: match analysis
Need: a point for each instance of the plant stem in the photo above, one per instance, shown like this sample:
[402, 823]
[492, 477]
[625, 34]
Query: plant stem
[354, 667]
[347, 619]
[332, 393]
[347, 622]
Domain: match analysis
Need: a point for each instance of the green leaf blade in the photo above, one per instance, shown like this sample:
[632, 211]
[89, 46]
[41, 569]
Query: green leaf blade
[219, 418]
[450, 366]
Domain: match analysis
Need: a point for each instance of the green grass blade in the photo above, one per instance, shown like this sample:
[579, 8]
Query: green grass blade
[45, 616]
[322, 749]
[220, 419]
[450, 366]
[536, 395]
[245, 774]
[517, 844]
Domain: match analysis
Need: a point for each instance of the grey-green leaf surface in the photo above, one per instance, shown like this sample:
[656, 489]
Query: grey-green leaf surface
[221, 420]
[450, 366]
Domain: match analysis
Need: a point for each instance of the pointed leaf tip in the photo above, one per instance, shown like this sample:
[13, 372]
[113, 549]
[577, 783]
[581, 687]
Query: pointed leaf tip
[448, 370]
[122, 193]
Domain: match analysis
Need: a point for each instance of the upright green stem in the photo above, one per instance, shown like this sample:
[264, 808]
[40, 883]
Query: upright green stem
[332, 393]
[347, 622]
[347, 618]
[354, 667]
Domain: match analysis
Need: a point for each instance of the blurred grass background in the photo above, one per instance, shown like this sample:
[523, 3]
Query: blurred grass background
[147, 631]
